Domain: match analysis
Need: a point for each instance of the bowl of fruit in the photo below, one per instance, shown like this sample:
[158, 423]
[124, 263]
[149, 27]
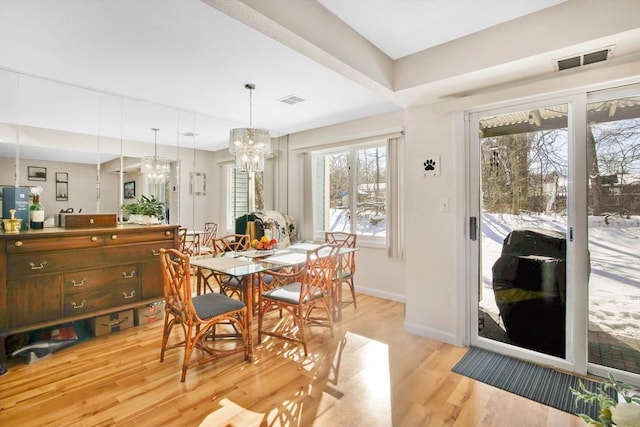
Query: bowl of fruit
[264, 244]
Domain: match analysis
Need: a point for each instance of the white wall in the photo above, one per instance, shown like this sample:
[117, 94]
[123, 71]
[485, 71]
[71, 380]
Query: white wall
[433, 235]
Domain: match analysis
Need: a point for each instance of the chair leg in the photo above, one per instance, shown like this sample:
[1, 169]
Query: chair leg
[302, 329]
[353, 291]
[188, 349]
[168, 324]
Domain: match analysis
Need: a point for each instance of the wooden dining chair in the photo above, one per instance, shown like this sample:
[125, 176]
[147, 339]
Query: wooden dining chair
[206, 240]
[229, 285]
[348, 261]
[307, 291]
[197, 315]
[188, 244]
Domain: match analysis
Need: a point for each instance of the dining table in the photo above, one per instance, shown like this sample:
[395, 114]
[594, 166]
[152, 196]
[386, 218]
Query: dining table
[245, 265]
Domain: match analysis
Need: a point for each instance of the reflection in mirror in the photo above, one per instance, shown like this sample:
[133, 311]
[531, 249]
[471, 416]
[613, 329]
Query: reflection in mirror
[96, 139]
[198, 183]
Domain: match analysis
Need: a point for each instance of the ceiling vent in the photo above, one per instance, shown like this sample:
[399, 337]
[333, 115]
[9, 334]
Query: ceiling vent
[291, 99]
[583, 59]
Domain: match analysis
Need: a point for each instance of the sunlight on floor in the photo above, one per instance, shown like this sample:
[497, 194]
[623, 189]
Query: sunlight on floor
[231, 415]
[347, 383]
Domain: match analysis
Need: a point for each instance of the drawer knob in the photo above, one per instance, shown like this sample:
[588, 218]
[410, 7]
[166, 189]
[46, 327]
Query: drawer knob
[131, 295]
[131, 275]
[82, 282]
[155, 253]
[77, 306]
[167, 233]
[91, 221]
[18, 243]
[94, 239]
[38, 267]
[114, 237]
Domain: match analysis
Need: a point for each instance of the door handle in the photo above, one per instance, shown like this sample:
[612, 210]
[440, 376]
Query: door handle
[473, 228]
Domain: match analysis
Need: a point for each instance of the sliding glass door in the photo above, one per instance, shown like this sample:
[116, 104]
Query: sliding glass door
[555, 206]
[522, 223]
[613, 167]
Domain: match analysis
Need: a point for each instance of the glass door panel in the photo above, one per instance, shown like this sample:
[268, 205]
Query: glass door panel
[523, 223]
[613, 160]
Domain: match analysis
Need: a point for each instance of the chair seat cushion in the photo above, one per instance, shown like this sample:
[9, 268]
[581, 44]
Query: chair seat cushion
[233, 282]
[214, 304]
[289, 293]
[346, 275]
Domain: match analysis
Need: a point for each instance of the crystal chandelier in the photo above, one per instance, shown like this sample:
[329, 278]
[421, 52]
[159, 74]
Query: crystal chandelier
[154, 167]
[249, 145]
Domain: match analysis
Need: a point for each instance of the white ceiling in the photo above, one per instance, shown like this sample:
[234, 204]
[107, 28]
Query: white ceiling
[193, 57]
[402, 27]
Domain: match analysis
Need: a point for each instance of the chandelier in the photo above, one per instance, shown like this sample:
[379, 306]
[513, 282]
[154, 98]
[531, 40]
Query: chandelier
[249, 145]
[154, 167]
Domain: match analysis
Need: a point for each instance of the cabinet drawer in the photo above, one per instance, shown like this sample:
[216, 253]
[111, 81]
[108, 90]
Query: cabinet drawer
[139, 253]
[105, 297]
[91, 279]
[42, 244]
[38, 263]
[116, 238]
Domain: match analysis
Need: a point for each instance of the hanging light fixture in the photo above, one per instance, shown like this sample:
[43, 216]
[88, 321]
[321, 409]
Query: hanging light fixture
[154, 167]
[249, 145]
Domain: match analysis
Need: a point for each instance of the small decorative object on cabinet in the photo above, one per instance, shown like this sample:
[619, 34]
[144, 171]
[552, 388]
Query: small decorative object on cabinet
[147, 210]
[36, 210]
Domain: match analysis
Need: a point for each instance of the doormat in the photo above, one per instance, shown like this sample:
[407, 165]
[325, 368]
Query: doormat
[538, 383]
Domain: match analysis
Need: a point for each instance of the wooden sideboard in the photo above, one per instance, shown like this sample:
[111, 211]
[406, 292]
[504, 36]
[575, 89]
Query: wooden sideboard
[57, 275]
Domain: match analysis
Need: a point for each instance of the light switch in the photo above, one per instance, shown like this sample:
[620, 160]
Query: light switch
[444, 204]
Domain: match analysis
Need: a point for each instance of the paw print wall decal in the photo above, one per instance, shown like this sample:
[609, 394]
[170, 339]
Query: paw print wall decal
[430, 166]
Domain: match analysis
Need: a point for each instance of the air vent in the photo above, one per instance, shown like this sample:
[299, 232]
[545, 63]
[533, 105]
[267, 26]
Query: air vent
[594, 57]
[291, 99]
[565, 64]
[583, 59]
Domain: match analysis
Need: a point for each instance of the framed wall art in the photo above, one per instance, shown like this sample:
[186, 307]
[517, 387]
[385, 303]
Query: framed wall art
[36, 173]
[130, 190]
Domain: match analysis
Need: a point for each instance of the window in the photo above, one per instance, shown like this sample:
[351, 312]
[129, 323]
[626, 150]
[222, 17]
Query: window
[238, 194]
[237, 200]
[337, 175]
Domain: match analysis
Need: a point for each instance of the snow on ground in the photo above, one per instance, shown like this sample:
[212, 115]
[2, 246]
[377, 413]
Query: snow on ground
[614, 284]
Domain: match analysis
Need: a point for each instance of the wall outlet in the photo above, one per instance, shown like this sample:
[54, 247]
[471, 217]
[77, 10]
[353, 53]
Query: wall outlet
[444, 298]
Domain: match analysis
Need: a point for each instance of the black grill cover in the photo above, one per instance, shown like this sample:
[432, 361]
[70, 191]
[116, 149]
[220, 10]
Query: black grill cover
[529, 285]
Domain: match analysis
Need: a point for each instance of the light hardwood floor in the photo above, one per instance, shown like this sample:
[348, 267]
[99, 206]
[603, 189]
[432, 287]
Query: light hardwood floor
[372, 373]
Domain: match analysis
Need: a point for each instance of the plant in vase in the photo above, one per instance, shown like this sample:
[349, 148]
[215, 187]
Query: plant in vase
[623, 411]
[146, 210]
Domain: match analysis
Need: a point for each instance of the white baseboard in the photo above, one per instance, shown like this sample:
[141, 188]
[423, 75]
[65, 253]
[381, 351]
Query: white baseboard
[380, 294]
[433, 334]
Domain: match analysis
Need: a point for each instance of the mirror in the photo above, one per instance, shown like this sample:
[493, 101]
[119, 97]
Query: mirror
[81, 145]
[91, 144]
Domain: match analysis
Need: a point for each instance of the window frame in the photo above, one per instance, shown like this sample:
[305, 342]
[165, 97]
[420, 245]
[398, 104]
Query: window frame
[352, 151]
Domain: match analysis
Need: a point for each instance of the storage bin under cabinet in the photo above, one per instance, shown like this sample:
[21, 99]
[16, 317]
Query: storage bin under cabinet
[57, 275]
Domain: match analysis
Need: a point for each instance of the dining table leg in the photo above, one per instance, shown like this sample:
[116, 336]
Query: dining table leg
[337, 293]
[248, 300]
